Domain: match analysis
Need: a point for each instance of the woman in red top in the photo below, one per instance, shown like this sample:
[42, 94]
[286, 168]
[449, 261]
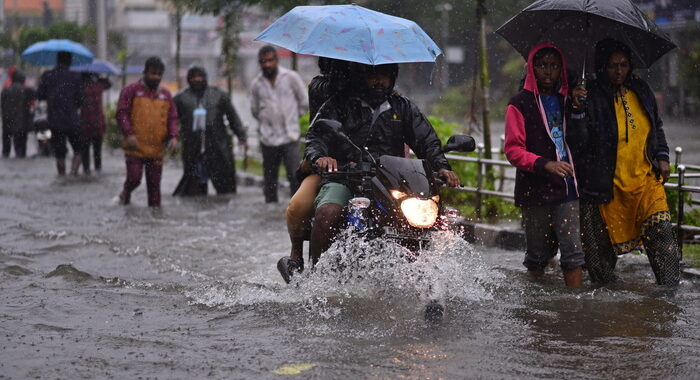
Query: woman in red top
[92, 118]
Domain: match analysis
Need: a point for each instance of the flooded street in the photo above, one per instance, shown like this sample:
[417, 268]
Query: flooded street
[91, 289]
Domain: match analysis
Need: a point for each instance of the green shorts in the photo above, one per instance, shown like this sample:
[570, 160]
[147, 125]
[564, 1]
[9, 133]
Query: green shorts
[333, 192]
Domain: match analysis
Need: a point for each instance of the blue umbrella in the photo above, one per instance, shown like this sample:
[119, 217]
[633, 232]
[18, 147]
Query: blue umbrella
[351, 33]
[44, 53]
[97, 66]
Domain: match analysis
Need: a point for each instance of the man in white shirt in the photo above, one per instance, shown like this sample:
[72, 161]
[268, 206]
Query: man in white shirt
[278, 99]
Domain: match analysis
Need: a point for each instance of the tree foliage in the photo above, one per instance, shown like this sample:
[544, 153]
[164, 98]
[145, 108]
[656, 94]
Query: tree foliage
[67, 30]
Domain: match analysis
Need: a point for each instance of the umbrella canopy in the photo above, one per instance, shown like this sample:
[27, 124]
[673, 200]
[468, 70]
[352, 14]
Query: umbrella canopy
[97, 66]
[351, 33]
[576, 25]
[44, 53]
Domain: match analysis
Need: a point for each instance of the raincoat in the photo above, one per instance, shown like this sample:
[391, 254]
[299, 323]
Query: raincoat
[150, 116]
[216, 152]
[16, 101]
[529, 144]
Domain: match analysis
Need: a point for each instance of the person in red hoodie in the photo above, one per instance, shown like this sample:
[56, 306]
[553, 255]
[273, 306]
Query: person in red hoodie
[545, 184]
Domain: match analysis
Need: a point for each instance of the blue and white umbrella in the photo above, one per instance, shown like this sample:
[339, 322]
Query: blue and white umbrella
[97, 66]
[44, 53]
[351, 33]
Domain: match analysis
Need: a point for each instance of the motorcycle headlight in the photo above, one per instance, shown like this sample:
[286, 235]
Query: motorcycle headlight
[421, 213]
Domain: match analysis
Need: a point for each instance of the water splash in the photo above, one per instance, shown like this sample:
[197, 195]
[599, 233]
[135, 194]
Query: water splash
[368, 272]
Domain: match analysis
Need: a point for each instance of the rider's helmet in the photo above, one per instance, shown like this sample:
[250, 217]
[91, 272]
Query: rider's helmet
[391, 69]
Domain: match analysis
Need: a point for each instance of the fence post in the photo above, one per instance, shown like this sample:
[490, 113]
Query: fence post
[501, 168]
[679, 224]
[479, 179]
[679, 153]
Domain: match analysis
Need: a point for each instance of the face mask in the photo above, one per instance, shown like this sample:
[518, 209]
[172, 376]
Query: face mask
[152, 83]
[198, 86]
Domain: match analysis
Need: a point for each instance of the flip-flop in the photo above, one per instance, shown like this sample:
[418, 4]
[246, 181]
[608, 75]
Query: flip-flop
[287, 266]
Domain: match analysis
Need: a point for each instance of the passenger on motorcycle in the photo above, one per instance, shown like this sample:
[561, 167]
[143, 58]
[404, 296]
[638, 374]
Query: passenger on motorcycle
[379, 121]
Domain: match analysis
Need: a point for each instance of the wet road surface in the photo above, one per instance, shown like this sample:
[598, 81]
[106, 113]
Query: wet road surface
[91, 289]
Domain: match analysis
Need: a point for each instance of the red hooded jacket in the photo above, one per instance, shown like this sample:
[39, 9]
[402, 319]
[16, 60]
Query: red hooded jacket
[529, 144]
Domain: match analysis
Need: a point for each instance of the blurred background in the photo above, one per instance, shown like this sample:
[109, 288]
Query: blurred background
[218, 35]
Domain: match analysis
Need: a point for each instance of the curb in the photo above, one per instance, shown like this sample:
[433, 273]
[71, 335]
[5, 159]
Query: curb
[493, 236]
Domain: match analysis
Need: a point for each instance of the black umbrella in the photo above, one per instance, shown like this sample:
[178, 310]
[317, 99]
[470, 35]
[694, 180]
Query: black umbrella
[576, 25]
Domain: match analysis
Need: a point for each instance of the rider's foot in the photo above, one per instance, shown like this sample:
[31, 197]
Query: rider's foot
[434, 312]
[287, 266]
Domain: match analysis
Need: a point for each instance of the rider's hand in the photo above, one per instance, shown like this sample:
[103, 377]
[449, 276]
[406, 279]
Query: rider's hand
[327, 164]
[665, 169]
[450, 177]
[131, 142]
[560, 168]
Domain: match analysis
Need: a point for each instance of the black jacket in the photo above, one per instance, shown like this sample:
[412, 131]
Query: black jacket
[396, 122]
[218, 153]
[593, 139]
[16, 103]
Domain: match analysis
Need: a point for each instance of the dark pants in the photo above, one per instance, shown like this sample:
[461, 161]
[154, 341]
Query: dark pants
[272, 157]
[134, 171]
[549, 228]
[58, 141]
[659, 243]
[18, 139]
[96, 143]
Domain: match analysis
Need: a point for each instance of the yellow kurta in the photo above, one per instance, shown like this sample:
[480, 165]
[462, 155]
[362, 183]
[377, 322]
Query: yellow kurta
[639, 198]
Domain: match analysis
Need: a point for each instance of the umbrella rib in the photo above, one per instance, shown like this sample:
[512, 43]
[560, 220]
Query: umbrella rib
[371, 37]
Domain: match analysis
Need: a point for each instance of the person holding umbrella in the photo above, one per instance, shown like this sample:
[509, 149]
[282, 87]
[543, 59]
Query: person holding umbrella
[622, 162]
[62, 90]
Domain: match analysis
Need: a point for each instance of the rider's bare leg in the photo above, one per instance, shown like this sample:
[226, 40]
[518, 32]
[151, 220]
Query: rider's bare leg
[325, 226]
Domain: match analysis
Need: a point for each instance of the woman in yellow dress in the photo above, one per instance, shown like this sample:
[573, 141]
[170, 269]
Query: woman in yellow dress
[622, 161]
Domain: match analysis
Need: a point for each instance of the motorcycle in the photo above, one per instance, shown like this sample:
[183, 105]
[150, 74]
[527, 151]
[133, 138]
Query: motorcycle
[396, 198]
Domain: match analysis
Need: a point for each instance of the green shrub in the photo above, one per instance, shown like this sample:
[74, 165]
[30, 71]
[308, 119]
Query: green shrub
[691, 216]
[304, 122]
[113, 136]
[493, 208]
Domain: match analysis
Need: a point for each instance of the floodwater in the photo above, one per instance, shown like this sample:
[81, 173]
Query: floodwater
[91, 289]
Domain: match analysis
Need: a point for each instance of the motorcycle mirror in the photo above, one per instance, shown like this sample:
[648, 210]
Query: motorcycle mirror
[459, 143]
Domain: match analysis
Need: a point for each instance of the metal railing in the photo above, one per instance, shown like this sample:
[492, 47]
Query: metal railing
[682, 174]
[681, 187]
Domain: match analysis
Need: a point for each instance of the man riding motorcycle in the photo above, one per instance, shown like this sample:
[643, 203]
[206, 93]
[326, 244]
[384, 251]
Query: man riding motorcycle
[380, 122]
